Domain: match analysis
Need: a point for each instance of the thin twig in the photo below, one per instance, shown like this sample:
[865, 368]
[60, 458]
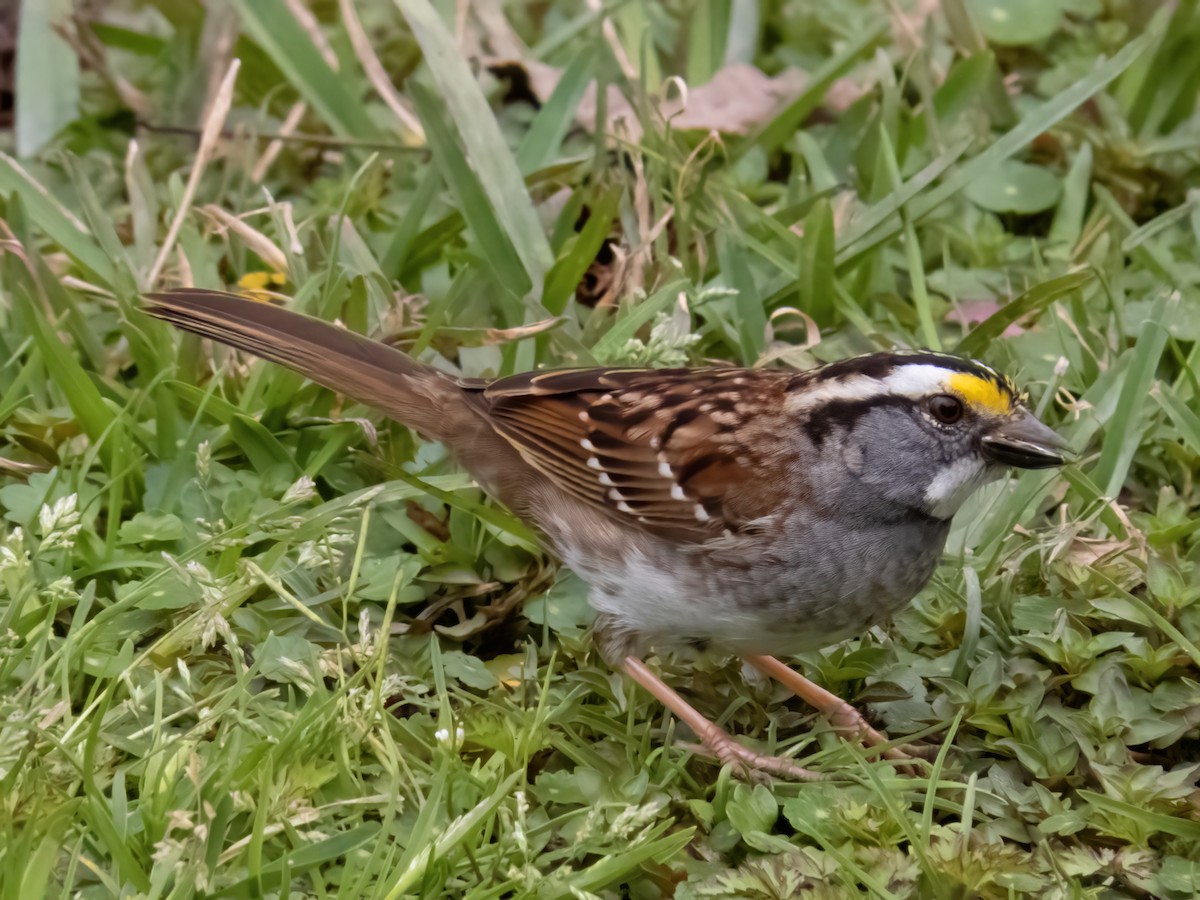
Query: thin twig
[209, 135]
[377, 74]
[322, 140]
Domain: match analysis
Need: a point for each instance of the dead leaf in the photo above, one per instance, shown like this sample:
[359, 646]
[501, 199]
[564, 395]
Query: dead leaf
[15, 467]
[1085, 551]
[427, 520]
[1123, 561]
[519, 332]
[735, 100]
[466, 336]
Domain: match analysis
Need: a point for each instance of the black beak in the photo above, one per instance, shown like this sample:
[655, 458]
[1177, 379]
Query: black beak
[1024, 442]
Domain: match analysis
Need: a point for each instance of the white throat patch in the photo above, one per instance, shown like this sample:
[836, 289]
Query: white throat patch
[955, 483]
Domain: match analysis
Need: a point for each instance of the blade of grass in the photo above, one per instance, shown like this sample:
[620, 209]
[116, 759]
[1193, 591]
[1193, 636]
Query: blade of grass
[1036, 122]
[751, 318]
[708, 27]
[1176, 825]
[580, 253]
[887, 208]
[485, 146]
[1123, 434]
[494, 239]
[627, 325]
[61, 226]
[275, 29]
[451, 837]
[1031, 303]
[409, 226]
[88, 406]
[261, 447]
[614, 867]
[1067, 226]
[47, 74]
[1185, 420]
[542, 141]
[816, 289]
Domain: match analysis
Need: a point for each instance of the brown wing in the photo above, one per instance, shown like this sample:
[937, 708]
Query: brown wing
[676, 451]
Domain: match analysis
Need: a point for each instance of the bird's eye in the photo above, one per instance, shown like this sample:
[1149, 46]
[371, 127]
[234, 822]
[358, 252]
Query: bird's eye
[946, 409]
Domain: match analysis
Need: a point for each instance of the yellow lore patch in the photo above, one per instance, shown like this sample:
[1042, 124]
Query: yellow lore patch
[981, 393]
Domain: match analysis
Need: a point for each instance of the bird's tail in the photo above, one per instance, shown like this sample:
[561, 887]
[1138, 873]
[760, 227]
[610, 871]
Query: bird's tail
[366, 370]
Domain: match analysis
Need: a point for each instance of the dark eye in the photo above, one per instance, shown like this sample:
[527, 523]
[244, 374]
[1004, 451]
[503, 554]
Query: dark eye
[946, 409]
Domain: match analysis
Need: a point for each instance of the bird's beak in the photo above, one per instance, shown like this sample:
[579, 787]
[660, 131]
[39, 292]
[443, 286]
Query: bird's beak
[1022, 441]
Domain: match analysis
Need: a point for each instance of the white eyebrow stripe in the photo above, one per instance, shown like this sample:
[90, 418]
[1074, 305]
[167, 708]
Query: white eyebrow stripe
[917, 381]
[912, 381]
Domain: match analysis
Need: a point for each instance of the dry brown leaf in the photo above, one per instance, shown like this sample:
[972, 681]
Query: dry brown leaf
[1094, 551]
[466, 336]
[735, 100]
[20, 469]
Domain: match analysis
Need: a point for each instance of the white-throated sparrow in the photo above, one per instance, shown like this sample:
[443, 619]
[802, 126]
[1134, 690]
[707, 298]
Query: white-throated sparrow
[761, 511]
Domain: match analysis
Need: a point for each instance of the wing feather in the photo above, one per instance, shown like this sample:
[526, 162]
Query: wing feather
[672, 451]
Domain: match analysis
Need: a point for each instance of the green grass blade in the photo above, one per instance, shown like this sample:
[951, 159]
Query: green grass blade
[61, 226]
[542, 142]
[1123, 431]
[481, 138]
[494, 240]
[275, 29]
[1030, 304]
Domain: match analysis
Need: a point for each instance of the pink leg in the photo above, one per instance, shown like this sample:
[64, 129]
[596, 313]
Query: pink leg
[844, 718]
[720, 743]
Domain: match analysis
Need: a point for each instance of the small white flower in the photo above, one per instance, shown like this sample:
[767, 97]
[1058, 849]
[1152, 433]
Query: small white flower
[60, 523]
[324, 553]
[10, 555]
[63, 514]
[304, 488]
[519, 823]
[633, 818]
[61, 590]
[203, 459]
[448, 740]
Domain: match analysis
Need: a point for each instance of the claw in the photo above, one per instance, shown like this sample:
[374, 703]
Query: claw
[845, 719]
[744, 762]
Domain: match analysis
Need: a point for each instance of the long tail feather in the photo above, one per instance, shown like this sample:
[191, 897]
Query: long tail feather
[366, 370]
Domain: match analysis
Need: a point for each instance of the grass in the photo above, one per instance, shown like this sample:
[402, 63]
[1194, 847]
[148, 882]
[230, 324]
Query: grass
[255, 640]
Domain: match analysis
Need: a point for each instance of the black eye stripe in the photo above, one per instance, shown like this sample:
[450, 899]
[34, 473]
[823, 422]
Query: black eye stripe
[845, 413]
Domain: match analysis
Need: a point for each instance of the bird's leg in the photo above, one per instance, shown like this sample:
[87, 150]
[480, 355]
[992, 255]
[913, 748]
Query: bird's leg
[845, 719]
[728, 751]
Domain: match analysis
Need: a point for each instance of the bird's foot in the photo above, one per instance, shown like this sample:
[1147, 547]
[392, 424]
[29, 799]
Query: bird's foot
[717, 742]
[749, 765]
[847, 721]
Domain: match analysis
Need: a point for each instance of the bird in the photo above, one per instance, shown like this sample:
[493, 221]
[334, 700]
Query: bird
[756, 512]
